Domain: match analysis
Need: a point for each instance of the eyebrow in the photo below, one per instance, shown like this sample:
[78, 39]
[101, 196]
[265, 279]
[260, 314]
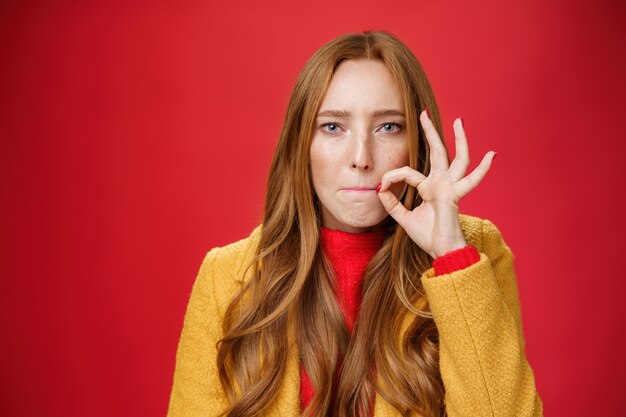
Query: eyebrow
[347, 114]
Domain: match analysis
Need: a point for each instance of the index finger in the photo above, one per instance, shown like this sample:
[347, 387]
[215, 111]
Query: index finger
[406, 174]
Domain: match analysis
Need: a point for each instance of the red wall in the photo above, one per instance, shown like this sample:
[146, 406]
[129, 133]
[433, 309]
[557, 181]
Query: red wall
[135, 138]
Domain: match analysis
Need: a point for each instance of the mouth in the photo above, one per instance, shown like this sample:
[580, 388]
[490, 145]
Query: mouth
[359, 189]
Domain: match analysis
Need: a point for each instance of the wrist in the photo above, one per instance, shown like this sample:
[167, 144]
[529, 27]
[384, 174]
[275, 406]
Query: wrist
[450, 248]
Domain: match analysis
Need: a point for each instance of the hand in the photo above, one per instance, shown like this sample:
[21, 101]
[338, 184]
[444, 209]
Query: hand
[434, 225]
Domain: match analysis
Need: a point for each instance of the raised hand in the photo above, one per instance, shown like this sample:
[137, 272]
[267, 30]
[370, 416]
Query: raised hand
[434, 225]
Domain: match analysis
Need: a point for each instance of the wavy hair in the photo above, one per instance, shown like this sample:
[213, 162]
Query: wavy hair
[394, 350]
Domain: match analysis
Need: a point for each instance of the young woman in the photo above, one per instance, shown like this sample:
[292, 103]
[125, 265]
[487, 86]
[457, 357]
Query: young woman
[364, 292]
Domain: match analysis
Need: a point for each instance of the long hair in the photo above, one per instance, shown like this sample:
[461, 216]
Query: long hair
[394, 350]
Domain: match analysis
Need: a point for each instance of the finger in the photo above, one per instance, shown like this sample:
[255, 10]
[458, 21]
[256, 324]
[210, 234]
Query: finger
[468, 183]
[461, 161]
[406, 174]
[393, 206]
[438, 154]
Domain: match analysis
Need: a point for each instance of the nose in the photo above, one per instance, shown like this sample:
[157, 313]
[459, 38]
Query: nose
[361, 154]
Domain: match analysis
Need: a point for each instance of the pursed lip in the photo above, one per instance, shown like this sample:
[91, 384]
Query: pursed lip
[359, 189]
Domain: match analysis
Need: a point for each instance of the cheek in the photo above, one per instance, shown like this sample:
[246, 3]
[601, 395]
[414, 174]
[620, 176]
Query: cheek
[319, 168]
[396, 157]
[403, 160]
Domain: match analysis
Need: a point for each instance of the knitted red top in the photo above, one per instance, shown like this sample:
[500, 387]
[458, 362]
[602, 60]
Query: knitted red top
[349, 254]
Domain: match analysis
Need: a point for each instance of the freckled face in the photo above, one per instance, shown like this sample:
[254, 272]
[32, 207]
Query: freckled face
[359, 135]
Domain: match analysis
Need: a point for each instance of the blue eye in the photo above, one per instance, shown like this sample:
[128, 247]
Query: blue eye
[330, 127]
[391, 127]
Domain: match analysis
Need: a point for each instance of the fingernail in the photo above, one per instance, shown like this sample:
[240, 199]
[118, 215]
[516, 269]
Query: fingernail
[427, 114]
[379, 186]
[494, 155]
[462, 123]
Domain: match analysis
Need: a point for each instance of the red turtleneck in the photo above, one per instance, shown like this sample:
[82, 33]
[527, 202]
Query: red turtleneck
[349, 254]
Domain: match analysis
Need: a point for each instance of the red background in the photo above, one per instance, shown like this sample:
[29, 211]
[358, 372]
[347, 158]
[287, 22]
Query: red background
[136, 137]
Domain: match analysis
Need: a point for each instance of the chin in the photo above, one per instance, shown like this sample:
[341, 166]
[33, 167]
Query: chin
[361, 222]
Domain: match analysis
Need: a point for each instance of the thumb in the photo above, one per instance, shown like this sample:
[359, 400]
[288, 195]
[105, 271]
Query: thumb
[393, 206]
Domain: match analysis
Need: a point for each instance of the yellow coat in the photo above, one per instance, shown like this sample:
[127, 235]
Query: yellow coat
[476, 310]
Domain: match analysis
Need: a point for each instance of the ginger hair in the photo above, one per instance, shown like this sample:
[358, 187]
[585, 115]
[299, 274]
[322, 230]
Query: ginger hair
[394, 350]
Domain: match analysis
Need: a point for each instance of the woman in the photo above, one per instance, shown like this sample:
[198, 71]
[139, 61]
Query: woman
[364, 292]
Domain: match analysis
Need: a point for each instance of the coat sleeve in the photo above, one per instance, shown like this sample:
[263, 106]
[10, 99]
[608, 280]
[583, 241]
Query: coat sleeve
[196, 389]
[481, 343]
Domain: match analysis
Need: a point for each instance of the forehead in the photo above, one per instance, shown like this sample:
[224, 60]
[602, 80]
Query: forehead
[362, 84]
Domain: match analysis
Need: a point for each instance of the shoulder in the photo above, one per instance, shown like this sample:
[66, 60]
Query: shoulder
[483, 234]
[233, 256]
[223, 269]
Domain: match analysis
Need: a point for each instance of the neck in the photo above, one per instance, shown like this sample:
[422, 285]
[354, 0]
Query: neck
[349, 255]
